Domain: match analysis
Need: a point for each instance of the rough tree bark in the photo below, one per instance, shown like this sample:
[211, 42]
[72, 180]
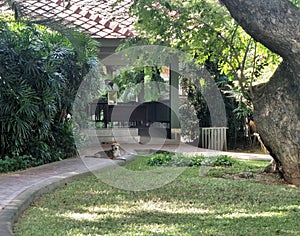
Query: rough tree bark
[276, 24]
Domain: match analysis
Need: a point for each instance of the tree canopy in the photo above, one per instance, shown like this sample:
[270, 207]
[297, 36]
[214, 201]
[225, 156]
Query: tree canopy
[206, 30]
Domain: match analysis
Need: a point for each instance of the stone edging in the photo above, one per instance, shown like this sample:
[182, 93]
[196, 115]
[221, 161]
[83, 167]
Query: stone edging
[12, 211]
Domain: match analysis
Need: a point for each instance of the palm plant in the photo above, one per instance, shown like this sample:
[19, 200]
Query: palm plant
[40, 72]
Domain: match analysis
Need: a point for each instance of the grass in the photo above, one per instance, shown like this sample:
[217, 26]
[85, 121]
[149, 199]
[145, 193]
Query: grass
[216, 204]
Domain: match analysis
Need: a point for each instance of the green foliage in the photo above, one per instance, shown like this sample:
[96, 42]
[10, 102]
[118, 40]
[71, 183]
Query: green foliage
[196, 160]
[239, 166]
[8, 164]
[224, 160]
[160, 159]
[172, 159]
[295, 2]
[190, 126]
[206, 31]
[40, 72]
[197, 101]
[135, 82]
[179, 160]
[130, 83]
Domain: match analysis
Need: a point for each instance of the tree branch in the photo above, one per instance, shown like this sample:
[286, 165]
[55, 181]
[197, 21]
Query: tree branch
[274, 23]
[253, 71]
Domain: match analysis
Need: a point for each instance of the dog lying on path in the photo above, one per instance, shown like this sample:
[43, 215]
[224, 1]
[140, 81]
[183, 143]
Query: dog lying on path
[114, 153]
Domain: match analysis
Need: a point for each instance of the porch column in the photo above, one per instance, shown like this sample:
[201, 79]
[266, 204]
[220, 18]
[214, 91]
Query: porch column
[174, 97]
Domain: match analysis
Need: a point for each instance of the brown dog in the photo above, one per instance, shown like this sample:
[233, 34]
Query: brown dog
[113, 153]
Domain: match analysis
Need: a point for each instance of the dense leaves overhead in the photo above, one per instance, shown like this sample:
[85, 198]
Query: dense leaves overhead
[205, 29]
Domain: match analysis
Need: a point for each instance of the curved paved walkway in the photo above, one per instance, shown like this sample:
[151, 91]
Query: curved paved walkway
[19, 189]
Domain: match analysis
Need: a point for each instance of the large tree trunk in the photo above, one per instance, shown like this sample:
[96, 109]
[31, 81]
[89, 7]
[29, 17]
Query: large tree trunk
[277, 114]
[276, 24]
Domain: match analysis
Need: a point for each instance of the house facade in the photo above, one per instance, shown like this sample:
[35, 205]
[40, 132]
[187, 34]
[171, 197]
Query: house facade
[108, 22]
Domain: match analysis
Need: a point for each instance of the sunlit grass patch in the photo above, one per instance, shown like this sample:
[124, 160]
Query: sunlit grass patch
[193, 204]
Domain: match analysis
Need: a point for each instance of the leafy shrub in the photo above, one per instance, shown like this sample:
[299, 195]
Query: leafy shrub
[160, 159]
[208, 161]
[65, 145]
[18, 163]
[224, 160]
[171, 159]
[196, 160]
[180, 160]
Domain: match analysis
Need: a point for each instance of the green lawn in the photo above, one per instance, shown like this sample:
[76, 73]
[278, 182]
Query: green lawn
[220, 203]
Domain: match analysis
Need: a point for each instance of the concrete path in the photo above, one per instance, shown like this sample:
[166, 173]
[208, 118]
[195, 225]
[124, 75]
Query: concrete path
[19, 189]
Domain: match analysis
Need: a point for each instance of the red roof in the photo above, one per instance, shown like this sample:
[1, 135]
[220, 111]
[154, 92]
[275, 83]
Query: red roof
[4, 8]
[98, 18]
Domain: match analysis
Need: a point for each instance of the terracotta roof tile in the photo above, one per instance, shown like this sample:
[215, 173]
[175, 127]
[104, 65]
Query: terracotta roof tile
[93, 23]
[78, 10]
[52, 4]
[4, 8]
[96, 18]
[86, 14]
[94, 30]
[38, 4]
[77, 16]
[86, 26]
[67, 11]
[40, 11]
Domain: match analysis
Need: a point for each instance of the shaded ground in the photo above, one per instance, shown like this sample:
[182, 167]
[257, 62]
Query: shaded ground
[220, 203]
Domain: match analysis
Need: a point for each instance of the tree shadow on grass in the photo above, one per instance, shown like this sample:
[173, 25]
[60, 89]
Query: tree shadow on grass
[185, 207]
[155, 222]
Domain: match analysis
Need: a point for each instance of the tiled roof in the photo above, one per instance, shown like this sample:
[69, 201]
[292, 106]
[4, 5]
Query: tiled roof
[98, 18]
[4, 8]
